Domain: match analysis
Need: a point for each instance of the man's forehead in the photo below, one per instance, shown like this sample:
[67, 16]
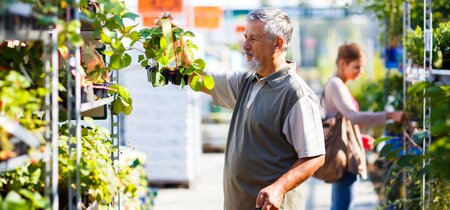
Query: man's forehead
[255, 28]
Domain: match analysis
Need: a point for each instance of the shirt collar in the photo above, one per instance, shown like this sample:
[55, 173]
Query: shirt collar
[278, 76]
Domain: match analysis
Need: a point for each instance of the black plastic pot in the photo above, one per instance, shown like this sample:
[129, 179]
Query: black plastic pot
[174, 77]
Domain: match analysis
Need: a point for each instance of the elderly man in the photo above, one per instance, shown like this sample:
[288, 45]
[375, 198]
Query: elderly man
[275, 141]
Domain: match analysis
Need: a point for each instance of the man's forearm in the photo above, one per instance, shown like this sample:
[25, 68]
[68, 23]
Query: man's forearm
[299, 172]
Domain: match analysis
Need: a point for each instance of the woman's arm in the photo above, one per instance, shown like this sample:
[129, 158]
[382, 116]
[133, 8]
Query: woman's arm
[339, 96]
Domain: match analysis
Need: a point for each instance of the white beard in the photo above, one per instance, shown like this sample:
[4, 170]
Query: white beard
[252, 65]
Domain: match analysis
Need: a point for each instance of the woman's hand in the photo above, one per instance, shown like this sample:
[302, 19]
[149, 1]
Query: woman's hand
[396, 116]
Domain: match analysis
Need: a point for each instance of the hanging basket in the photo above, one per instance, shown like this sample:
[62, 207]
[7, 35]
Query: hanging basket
[169, 58]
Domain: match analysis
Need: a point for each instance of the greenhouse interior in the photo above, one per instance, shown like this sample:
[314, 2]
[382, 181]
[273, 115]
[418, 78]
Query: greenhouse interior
[175, 105]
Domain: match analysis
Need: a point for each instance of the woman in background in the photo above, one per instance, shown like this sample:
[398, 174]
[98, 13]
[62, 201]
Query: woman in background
[338, 99]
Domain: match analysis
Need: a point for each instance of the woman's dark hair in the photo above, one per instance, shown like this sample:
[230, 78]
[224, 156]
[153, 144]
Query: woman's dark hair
[349, 53]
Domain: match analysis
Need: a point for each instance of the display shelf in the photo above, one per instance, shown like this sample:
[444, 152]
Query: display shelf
[23, 34]
[19, 161]
[445, 72]
[414, 74]
[98, 103]
[18, 131]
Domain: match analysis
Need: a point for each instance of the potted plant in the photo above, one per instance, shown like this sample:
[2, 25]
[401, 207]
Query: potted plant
[443, 44]
[169, 57]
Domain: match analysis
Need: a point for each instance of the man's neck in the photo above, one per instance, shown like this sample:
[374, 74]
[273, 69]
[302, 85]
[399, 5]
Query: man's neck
[268, 68]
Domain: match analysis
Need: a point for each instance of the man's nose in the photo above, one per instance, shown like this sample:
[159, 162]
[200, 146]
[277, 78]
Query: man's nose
[246, 46]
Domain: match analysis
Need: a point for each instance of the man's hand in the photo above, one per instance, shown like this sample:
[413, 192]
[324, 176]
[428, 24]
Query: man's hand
[270, 198]
[169, 16]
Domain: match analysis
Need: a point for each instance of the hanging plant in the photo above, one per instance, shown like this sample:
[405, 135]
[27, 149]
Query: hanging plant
[169, 57]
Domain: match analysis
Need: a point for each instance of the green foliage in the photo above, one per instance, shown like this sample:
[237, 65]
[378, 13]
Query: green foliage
[24, 200]
[411, 163]
[156, 46]
[122, 102]
[413, 43]
[442, 43]
[390, 12]
[18, 102]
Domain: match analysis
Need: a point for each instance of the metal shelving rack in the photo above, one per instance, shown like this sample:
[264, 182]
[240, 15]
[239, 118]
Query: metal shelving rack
[426, 73]
[51, 64]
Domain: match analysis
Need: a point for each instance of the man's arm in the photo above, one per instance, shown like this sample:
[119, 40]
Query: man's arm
[271, 197]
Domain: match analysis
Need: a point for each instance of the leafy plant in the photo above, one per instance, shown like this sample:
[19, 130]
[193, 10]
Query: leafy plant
[18, 102]
[24, 199]
[412, 163]
[390, 12]
[156, 49]
[122, 102]
[442, 43]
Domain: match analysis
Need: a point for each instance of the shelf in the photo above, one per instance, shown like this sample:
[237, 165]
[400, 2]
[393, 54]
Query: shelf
[19, 161]
[23, 34]
[440, 72]
[414, 74]
[92, 105]
[18, 131]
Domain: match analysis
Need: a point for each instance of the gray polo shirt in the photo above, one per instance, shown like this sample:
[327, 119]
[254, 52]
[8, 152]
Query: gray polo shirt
[276, 120]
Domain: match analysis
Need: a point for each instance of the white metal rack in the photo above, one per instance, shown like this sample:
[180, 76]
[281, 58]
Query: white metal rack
[413, 74]
[51, 59]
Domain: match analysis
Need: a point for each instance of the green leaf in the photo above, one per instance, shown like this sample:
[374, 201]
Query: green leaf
[73, 26]
[141, 58]
[197, 83]
[118, 20]
[114, 62]
[130, 15]
[105, 36]
[135, 36]
[145, 32]
[188, 34]
[393, 154]
[75, 39]
[126, 60]
[386, 150]
[144, 63]
[199, 64]
[14, 197]
[418, 87]
[208, 82]
[129, 28]
[108, 52]
[405, 160]
[117, 107]
[382, 139]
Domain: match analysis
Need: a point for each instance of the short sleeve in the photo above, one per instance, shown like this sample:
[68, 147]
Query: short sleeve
[303, 128]
[226, 88]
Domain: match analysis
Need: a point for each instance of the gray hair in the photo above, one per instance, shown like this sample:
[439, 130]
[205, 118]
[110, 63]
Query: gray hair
[277, 23]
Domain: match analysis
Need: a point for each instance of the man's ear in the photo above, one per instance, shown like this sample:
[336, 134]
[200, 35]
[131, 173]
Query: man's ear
[279, 44]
